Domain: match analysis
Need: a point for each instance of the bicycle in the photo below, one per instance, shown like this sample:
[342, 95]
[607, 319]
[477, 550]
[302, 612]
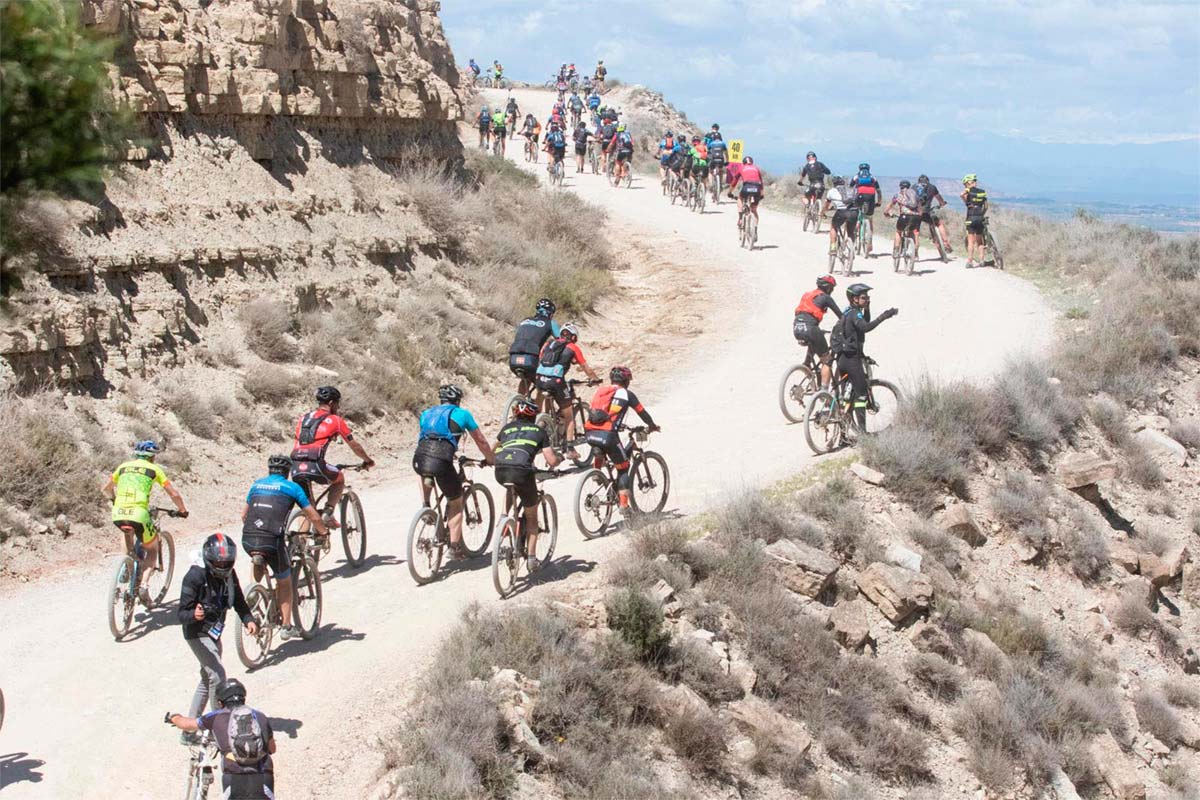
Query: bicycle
[620, 174]
[718, 179]
[509, 552]
[866, 233]
[908, 250]
[799, 381]
[554, 425]
[935, 235]
[668, 185]
[829, 416]
[699, 195]
[307, 600]
[531, 150]
[576, 114]
[350, 517]
[428, 535]
[204, 766]
[596, 495]
[683, 190]
[844, 253]
[593, 157]
[748, 225]
[991, 247]
[812, 213]
[125, 590]
[498, 140]
[557, 171]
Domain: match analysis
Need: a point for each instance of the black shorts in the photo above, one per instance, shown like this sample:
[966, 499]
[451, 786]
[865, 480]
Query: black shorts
[499, 131]
[314, 472]
[716, 164]
[439, 470]
[557, 388]
[523, 365]
[867, 203]
[624, 155]
[808, 332]
[928, 218]
[812, 190]
[260, 786]
[976, 225]
[609, 443]
[483, 129]
[581, 149]
[908, 222]
[274, 550]
[522, 481]
[752, 191]
[557, 154]
[700, 172]
[846, 216]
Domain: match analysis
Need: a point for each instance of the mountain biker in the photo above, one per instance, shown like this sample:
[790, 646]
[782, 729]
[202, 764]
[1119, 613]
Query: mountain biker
[532, 131]
[269, 503]
[750, 176]
[976, 201]
[581, 142]
[245, 739]
[499, 128]
[718, 152]
[812, 178]
[806, 325]
[129, 488]
[557, 356]
[315, 431]
[908, 222]
[441, 428]
[848, 336]
[593, 101]
[531, 334]
[713, 134]
[207, 591]
[622, 147]
[556, 145]
[517, 445]
[605, 131]
[575, 105]
[559, 109]
[484, 122]
[678, 159]
[698, 159]
[604, 418]
[601, 74]
[666, 146]
[474, 68]
[928, 194]
[512, 111]
[844, 204]
[867, 189]
[497, 71]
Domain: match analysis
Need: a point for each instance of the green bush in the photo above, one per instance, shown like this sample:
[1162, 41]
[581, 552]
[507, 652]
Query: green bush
[639, 621]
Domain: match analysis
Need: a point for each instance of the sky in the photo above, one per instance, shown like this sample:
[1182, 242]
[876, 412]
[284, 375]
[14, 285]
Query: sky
[862, 76]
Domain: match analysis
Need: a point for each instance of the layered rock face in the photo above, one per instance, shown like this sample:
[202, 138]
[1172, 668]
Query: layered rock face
[274, 130]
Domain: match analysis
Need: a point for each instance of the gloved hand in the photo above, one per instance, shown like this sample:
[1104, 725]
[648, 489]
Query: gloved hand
[891, 312]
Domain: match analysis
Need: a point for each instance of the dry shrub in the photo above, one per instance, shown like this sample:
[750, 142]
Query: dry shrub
[1186, 432]
[1140, 466]
[696, 664]
[194, 412]
[1019, 500]
[436, 196]
[754, 516]
[1039, 411]
[1109, 416]
[936, 675]
[269, 325]
[947, 550]
[1133, 617]
[639, 622]
[1181, 692]
[1085, 546]
[272, 384]
[698, 737]
[1180, 780]
[1157, 717]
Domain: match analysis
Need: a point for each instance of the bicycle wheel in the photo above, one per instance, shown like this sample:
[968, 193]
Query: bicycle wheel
[629, 176]
[1, 710]
[701, 198]
[651, 482]
[595, 498]
[989, 242]
[196, 789]
[822, 423]
[752, 230]
[425, 545]
[159, 579]
[121, 602]
[547, 529]
[910, 256]
[479, 513]
[306, 597]
[506, 561]
[848, 255]
[253, 650]
[798, 382]
[936, 235]
[882, 402]
[354, 528]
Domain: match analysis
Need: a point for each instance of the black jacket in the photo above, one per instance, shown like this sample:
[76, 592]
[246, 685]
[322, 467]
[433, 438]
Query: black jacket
[212, 593]
[851, 330]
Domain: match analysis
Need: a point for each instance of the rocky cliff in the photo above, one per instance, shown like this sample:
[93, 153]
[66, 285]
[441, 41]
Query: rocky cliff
[273, 134]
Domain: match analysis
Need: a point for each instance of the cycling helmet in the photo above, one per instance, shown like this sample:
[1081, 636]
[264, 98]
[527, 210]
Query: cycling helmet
[864, 165]
[826, 282]
[856, 290]
[328, 394]
[905, 184]
[620, 375]
[923, 179]
[582, 126]
[716, 127]
[695, 139]
[546, 307]
[525, 407]
[570, 330]
[810, 154]
[668, 133]
[838, 180]
[219, 554]
[450, 393]
[969, 178]
[147, 449]
[279, 465]
[747, 160]
[231, 692]
[621, 128]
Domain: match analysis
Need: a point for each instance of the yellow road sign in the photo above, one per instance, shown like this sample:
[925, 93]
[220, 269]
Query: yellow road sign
[735, 151]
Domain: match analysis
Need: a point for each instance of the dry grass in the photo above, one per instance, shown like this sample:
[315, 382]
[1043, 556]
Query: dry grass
[268, 327]
[937, 544]
[1109, 416]
[1156, 716]
[1186, 432]
[1181, 692]
[936, 675]
[272, 385]
[699, 738]
[639, 622]
[1085, 546]
[1019, 500]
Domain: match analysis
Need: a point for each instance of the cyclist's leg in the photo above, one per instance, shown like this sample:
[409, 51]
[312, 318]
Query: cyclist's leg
[452, 488]
[854, 368]
[337, 485]
[208, 653]
[528, 492]
[833, 232]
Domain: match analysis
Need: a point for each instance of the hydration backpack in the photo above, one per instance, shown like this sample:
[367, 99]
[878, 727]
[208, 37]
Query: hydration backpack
[624, 140]
[598, 413]
[248, 746]
[552, 353]
[556, 139]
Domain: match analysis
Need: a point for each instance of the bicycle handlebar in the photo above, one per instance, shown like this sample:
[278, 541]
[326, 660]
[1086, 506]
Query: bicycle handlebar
[170, 512]
[588, 382]
[352, 467]
[474, 462]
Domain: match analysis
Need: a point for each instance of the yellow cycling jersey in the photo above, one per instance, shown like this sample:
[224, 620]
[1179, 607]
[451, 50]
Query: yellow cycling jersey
[134, 481]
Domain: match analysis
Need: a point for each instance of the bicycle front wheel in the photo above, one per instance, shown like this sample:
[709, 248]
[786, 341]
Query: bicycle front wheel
[354, 528]
[882, 402]
[823, 423]
[506, 561]
[990, 243]
[306, 597]
[425, 545]
[253, 650]
[479, 513]
[595, 498]
[159, 579]
[651, 482]
[752, 229]
[798, 382]
[121, 600]
[547, 529]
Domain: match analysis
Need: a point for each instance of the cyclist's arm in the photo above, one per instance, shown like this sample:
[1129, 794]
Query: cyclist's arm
[361, 452]
[489, 455]
[552, 458]
[189, 598]
[176, 498]
[189, 724]
[890, 205]
[829, 304]
[110, 489]
[310, 511]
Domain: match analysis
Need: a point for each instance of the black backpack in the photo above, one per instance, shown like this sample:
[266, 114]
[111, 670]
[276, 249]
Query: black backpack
[247, 744]
[552, 353]
[838, 338]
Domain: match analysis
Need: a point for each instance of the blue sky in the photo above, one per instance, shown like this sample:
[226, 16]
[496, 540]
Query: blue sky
[860, 75]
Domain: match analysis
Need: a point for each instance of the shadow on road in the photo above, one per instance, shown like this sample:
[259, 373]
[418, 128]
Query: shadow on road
[327, 637]
[146, 622]
[345, 569]
[556, 570]
[17, 768]
[285, 725]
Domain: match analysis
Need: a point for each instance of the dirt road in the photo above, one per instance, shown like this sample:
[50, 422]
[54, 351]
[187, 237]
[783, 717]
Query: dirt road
[84, 713]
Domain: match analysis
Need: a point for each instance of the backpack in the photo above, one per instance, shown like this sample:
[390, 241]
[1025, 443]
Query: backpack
[837, 336]
[625, 140]
[847, 196]
[598, 412]
[556, 138]
[247, 744]
[552, 352]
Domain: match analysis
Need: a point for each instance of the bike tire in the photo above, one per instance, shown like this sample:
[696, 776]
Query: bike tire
[166, 568]
[506, 561]
[822, 423]
[796, 391]
[848, 257]
[547, 528]
[1, 710]
[259, 600]
[752, 227]
[425, 548]
[990, 243]
[120, 604]
[629, 176]
[884, 400]
[508, 408]
[594, 503]
[642, 496]
[701, 199]
[307, 597]
[941, 246]
[910, 257]
[354, 528]
[479, 514]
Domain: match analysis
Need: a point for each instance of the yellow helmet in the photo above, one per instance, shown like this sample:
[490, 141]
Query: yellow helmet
[969, 178]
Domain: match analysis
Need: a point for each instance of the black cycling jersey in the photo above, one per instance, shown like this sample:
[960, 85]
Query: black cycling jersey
[851, 331]
[532, 333]
[520, 442]
[814, 173]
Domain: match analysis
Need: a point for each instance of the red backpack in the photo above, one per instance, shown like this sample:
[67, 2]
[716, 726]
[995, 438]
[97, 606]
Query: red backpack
[598, 416]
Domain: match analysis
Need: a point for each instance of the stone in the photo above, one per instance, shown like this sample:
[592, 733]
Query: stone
[850, 624]
[803, 569]
[868, 475]
[981, 649]
[1062, 786]
[901, 556]
[1175, 557]
[742, 749]
[1154, 569]
[929, 638]
[1140, 587]
[959, 522]
[662, 591]
[575, 615]
[1189, 733]
[1026, 552]
[1115, 768]
[756, 715]
[1151, 421]
[517, 696]
[679, 698]
[1097, 627]
[62, 524]
[897, 592]
[1191, 583]
[704, 636]
[1160, 444]
[741, 670]
[1121, 554]
[1084, 469]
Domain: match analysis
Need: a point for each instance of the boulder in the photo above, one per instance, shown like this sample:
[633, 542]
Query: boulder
[929, 638]
[897, 592]
[754, 714]
[1121, 554]
[901, 556]
[1150, 421]
[1098, 628]
[803, 569]
[679, 698]
[868, 475]
[1026, 552]
[743, 749]
[959, 522]
[741, 670]
[1116, 769]
[1154, 569]
[850, 624]
[1191, 583]
[662, 591]
[1160, 444]
[517, 696]
[1140, 587]
[1062, 786]
[1078, 470]
[981, 650]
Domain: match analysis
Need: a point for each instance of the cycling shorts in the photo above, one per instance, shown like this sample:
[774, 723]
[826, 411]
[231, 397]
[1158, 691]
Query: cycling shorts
[814, 189]
[580, 149]
[274, 551]
[928, 218]
[976, 225]
[315, 472]
[558, 388]
[484, 127]
[499, 131]
[663, 159]
[439, 470]
[137, 519]
[752, 191]
[700, 172]
[908, 222]
[845, 216]
[867, 203]
[609, 443]
[523, 365]
[624, 155]
[251, 787]
[808, 332]
[522, 481]
[558, 153]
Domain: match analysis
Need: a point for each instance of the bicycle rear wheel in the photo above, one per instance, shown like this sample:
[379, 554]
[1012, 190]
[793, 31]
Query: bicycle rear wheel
[306, 597]
[823, 423]
[752, 230]
[506, 561]
[159, 579]
[479, 514]
[798, 382]
[989, 242]
[910, 256]
[936, 235]
[547, 529]
[121, 602]
[882, 402]
[354, 528]
[595, 498]
[848, 255]
[253, 650]
[425, 545]
[651, 482]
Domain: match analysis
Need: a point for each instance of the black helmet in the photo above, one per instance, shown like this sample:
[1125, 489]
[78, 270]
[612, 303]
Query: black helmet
[810, 154]
[231, 692]
[923, 179]
[219, 554]
[905, 184]
[328, 394]
[716, 127]
[747, 160]
[864, 166]
[856, 290]
[279, 465]
[826, 282]
[838, 180]
[449, 393]
[620, 375]
[524, 407]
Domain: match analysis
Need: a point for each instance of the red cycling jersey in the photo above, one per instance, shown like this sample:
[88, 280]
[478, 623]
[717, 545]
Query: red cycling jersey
[751, 174]
[328, 428]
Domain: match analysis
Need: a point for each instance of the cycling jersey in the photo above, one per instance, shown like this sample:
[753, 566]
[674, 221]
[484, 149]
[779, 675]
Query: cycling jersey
[841, 199]
[520, 442]
[484, 119]
[815, 303]
[134, 480]
[271, 500]
[593, 102]
[315, 431]
[218, 723]
[557, 357]
[749, 173]
[699, 154]
[609, 406]
[575, 103]
[499, 120]
[927, 195]
[581, 137]
[512, 107]
[532, 333]
[814, 173]
[717, 151]
[623, 142]
[975, 199]
[446, 422]
[556, 140]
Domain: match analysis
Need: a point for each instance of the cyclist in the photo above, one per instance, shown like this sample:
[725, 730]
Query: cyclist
[604, 418]
[517, 445]
[586, 85]
[557, 356]
[497, 72]
[750, 176]
[315, 431]
[532, 131]
[269, 503]
[666, 146]
[867, 189]
[531, 334]
[928, 194]
[601, 74]
[512, 111]
[718, 152]
[908, 222]
[622, 148]
[556, 145]
[207, 591]
[976, 201]
[581, 142]
[484, 122]
[593, 101]
[474, 70]
[848, 336]
[844, 204]
[559, 109]
[442, 426]
[812, 178]
[129, 488]
[499, 128]
[245, 738]
[698, 161]
[806, 326]
[575, 106]
[714, 134]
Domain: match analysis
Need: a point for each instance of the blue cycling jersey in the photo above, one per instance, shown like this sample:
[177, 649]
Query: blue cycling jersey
[440, 421]
[279, 485]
